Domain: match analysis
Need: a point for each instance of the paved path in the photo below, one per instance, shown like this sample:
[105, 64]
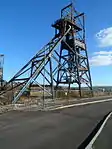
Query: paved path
[60, 129]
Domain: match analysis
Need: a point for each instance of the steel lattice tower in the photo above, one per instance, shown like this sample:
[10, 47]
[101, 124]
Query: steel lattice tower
[73, 51]
[63, 60]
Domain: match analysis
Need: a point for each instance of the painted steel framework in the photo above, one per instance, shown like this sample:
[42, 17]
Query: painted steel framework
[63, 60]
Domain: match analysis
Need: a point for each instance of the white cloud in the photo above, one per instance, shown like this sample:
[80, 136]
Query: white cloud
[103, 52]
[104, 37]
[101, 58]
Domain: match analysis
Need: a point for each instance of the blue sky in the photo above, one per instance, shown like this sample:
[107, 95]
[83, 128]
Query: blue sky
[25, 27]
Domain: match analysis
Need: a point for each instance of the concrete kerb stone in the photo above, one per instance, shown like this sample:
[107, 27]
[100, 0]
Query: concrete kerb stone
[49, 105]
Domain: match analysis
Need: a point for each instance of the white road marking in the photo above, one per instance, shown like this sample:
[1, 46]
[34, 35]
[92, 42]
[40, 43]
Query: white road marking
[89, 146]
[81, 104]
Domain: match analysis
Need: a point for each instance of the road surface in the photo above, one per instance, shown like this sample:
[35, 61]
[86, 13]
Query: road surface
[60, 129]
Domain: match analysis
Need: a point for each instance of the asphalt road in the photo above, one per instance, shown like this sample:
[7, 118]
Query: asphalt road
[60, 129]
